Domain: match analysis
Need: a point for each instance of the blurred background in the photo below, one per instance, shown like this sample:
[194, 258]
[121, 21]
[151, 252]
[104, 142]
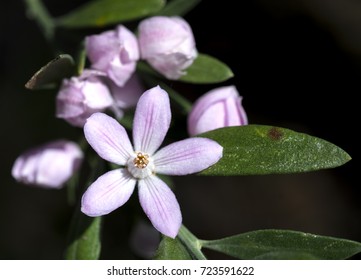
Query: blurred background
[297, 64]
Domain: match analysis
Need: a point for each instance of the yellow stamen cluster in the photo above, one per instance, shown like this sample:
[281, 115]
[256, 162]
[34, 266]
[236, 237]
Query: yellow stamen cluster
[141, 161]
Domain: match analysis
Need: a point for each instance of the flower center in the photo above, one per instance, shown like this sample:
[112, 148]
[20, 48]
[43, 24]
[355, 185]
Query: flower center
[140, 165]
[141, 161]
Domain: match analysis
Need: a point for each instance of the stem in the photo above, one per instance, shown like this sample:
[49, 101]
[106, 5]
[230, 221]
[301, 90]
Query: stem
[178, 99]
[191, 242]
[37, 11]
[81, 59]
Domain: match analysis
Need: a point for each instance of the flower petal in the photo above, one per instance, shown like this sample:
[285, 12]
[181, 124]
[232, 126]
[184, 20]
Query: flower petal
[101, 48]
[160, 205]
[161, 35]
[107, 193]
[128, 95]
[49, 165]
[108, 138]
[167, 44]
[114, 52]
[151, 120]
[223, 102]
[187, 156]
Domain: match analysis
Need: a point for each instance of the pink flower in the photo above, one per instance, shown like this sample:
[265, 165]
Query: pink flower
[217, 108]
[128, 95]
[167, 44]
[142, 162]
[114, 52]
[79, 97]
[49, 165]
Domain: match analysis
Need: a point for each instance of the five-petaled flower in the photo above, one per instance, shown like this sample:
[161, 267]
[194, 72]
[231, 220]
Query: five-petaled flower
[140, 163]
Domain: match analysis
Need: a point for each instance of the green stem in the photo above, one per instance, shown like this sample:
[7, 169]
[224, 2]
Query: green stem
[191, 242]
[81, 59]
[153, 80]
[37, 11]
[177, 98]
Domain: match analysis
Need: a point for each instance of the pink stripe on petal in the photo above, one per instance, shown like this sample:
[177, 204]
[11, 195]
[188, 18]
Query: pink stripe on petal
[187, 156]
[108, 138]
[151, 120]
[160, 205]
[107, 193]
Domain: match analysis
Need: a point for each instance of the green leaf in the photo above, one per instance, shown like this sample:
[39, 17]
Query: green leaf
[178, 7]
[284, 244]
[52, 73]
[84, 238]
[100, 13]
[205, 70]
[259, 149]
[171, 249]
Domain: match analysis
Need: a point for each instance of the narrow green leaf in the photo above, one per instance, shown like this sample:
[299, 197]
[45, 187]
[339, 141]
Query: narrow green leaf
[100, 13]
[259, 149]
[178, 7]
[205, 70]
[284, 244]
[84, 238]
[52, 73]
[171, 249]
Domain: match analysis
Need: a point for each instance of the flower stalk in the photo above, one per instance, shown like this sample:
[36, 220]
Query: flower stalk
[38, 12]
[191, 242]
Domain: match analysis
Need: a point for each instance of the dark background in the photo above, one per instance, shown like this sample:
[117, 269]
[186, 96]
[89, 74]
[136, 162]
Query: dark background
[296, 63]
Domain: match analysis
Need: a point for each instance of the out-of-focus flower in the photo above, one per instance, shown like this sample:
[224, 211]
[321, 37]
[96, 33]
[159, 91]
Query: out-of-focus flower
[79, 97]
[113, 52]
[142, 162]
[217, 108]
[144, 240]
[49, 165]
[167, 44]
[126, 96]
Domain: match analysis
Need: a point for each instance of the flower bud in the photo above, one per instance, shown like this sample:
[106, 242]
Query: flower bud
[217, 108]
[80, 97]
[113, 52]
[167, 44]
[49, 165]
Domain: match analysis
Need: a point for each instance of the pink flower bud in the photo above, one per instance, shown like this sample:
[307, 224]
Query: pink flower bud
[217, 108]
[167, 44]
[49, 165]
[79, 97]
[113, 52]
